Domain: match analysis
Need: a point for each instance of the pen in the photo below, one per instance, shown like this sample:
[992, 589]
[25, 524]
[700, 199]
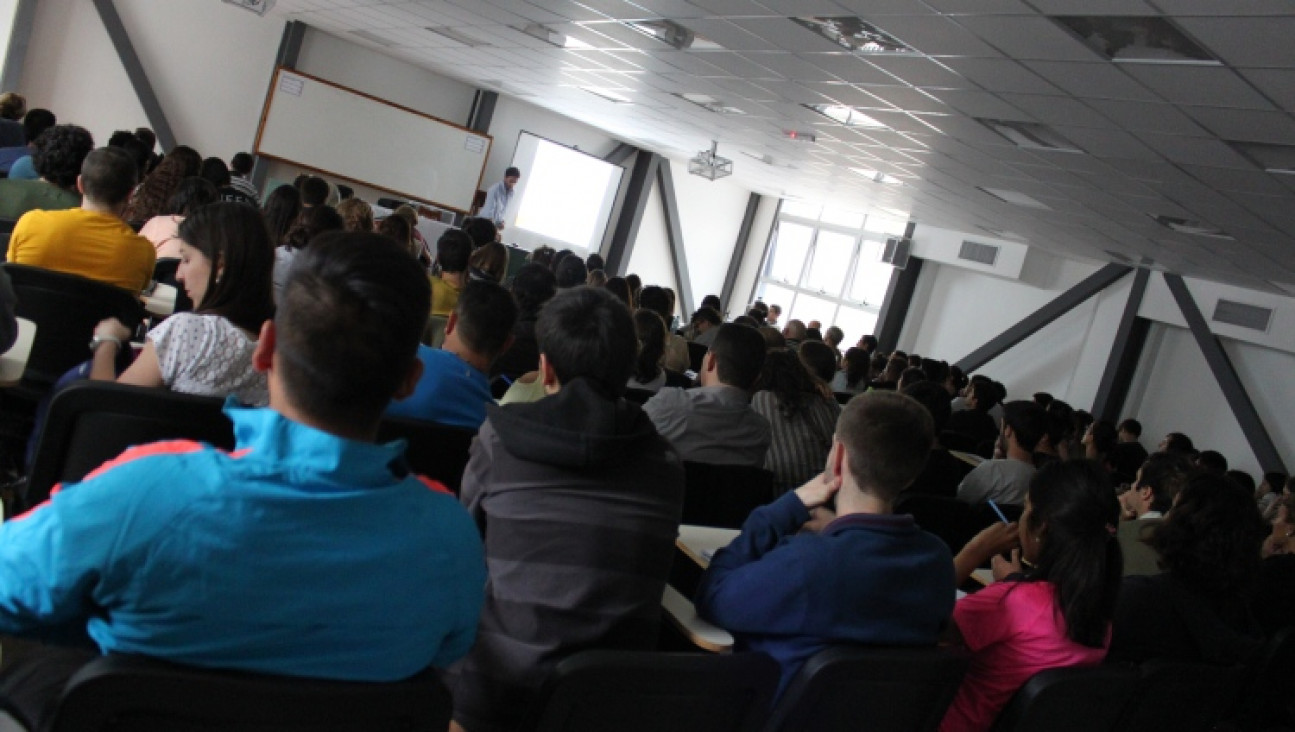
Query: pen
[997, 511]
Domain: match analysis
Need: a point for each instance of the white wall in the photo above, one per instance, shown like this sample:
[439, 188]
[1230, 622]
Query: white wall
[710, 215]
[650, 258]
[8, 9]
[757, 245]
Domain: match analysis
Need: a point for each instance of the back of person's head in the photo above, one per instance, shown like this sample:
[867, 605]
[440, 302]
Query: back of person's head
[763, 310]
[186, 159]
[833, 336]
[596, 278]
[773, 340]
[1073, 514]
[886, 437]
[406, 212]
[35, 122]
[311, 223]
[1028, 422]
[636, 284]
[1132, 427]
[489, 262]
[651, 334]
[542, 255]
[108, 175]
[739, 355]
[895, 368]
[560, 256]
[789, 380]
[1165, 474]
[795, 330]
[957, 379]
[878, 364]
[1179, 443]
[485, 316]
[813, 334]
[856, 365]
[571, 272]
[910, 376]
[1210, 540]
[1103, 438]
[356, 215]
[934, 398]
[712, 301]
[620, 287]
[757, 315]
[706, 314]
[12, 106]
[482, 230]
[868, 343]
[346, 192]
[282, 209]
[937, 371]
[192, 194]
[1275, 480]
[1212, 461]
[60, 152]
[533, 285]
[314, 191]
[147, 137]
[1061, 425]
[453, 250]
[985, 395]
[595, 261]
[348, 325]
[1043, 399]
[398, 230]
[241, 164]
[657, 300]
[747, 321]
[819, 358]
[914, 361]
[1243, 479]
[233, 238]
[120, 138]
[586, 333]
[215, 170]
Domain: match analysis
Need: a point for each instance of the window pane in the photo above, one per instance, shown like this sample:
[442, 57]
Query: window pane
[831, 261]
[807, 308]
[843, 218]
[892, 227]
[855, 323]
[800, 209]
[789, 251]
[872, 278]
[775, 295]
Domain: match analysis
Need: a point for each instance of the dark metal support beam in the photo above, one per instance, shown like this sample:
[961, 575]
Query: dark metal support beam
[23, 19]
[483, 110]
[294, 33]
[1217, 358]
[1126, 352]
[899, 297]
[1062, 304]
[631, 212]
[739, 250]
[135, 71]
[620, 154]
[674, 233]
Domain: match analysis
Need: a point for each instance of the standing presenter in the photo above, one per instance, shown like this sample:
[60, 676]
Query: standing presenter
[498, 198]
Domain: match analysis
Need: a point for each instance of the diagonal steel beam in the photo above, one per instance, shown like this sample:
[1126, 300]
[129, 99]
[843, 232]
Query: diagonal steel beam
[1126, 352]
[135, 71]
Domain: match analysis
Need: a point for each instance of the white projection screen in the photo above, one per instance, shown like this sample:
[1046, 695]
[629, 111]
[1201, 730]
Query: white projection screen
[564, 198]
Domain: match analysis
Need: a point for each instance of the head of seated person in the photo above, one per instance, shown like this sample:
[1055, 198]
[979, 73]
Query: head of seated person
[1157, 485]
[314, 191]
[311, 223]
[1211, 539]
[482, 231]
[1130, 430]
[571, 272]
[35, 122]
[1100, 440]
[819, 358]
[735, 358]
[882, 440]
[651, 335]
[453, 250]
[489, 262]
[533, 286]
[981, 395]
[1024, 424]
[481, 325]
[226, 263]
[356, 214]
[1177, 442]
[934, 398]
[344, 338]
[215, 170]
[399, 231]
[192, 194]
[657, 300]
[585, 333]
[909, 377]
[59, 154]
[107, 178]
[1212, 461]
[795, 330]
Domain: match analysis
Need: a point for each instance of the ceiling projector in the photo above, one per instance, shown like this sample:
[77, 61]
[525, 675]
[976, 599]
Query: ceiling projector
[709, 165]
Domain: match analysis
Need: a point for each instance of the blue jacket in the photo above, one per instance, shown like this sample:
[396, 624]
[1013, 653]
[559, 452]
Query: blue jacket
[300, 553]
[866, 579]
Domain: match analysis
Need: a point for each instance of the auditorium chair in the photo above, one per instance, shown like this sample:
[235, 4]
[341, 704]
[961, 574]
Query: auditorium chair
[1069, 700]
[1184, 697]
[724, 495]
[435, 450]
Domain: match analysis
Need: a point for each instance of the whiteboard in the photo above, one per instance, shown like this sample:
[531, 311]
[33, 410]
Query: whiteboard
[350, 135]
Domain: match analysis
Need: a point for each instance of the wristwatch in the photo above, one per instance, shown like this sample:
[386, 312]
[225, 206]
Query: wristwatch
[98, 340]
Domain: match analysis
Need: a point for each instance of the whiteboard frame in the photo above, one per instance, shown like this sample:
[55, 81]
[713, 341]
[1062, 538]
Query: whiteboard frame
[265, 114]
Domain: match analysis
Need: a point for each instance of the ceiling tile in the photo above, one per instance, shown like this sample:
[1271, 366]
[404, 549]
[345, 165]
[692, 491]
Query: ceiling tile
[1094, 7]
[1201, 150]
[1028, 37]
[1146, 116]
[786, 35]
[980, 104]
[910, 100]
[1014, 7]
[1214, 7]
[919, 71]
[847, 67]
[1246, 125]
[1204, 86]
[730, 36]
[1000, 75]
[934, 36]
[1055, 110]
[1092, 80]
[1258, 42]
[1107, 143]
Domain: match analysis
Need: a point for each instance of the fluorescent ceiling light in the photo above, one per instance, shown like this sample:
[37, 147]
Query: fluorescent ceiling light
[674, 35]
[607, 94]
[709, 103]
[877, 176]
[1030, 136]
[1133, 39]
[1015, 197]
[854, 34]
[848, 116]
[458, 36]
[1278, 159]
[548, 35]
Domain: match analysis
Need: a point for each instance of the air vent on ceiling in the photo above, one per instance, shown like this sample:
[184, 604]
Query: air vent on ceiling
[854, 34]
[1136, 39]
[1030, 136]
[978, 253]
[896, 252]
[1242, 315]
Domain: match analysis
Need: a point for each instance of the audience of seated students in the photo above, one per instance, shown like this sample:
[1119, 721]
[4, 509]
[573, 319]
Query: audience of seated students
[489, 262]
[649, 374]
[312, 222]
[1051, 605]
[974, 425]
[163, 230]
[282, 209]
[1198, 608]
[801, 419]
[309, 551]
[705, 325]
[34, 123]
[453, 250]
[533, 286]
[58, 157]
[715, 423]
[867, 577]
[92, 240]
[225, 267]
[942, 472]
[619, 287]
[795, 333]
[12, 108]
[819, 358]
[1006, 479]
[240, 175]
[578, 500]
[150, 199]
[661, 301]
[454, 389]
[853, 376]
[356, 215]
[1143, 506]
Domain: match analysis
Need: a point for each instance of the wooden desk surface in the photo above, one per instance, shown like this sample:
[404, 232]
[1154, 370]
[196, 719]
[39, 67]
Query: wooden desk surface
[683, 614]
[700, 543]
[968, 458]
[14, 361]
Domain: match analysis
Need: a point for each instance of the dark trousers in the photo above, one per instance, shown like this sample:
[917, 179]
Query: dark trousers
[33, 674]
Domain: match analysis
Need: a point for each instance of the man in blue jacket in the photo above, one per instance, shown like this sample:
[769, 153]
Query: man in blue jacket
[867, 577]
[308, 551]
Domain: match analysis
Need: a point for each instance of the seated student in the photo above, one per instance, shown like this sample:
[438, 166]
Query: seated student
[869, 576]
[12, 108]
[34, 123]
[225, 267]
[1143, 507]
[853, 376]
[648, 373]
[661, 301]
[240, 178]
[164, 229]
[91, 241]
[1198, 609]
[314, 191]
[356, 215]
[454, 389]
[579, 501]
[974, 423]
[311, 223]
[533, 286]
[309, 551]
[152, 198]
[1268, 493]
[821, 362]
[1006, 479]
[1179, 443]
[801, 420]
[942, 472]
[453, 250]
[795, 332]
[58, 156]
[1056, 614]
[705, 325]
[715, 423]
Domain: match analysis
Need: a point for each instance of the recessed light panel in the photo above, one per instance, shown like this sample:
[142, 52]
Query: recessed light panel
[877, 176]
[1137, 39]
[1016, 197]
[1195, 228]
[674, 35]
[454, 34]
[854, 34]
[607, 94]
[1272, 158]
[848, 116]
[711, 104]
[1030, 136]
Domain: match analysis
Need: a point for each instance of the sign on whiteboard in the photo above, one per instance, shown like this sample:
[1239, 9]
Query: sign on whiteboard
[474, 144]
[292, 85]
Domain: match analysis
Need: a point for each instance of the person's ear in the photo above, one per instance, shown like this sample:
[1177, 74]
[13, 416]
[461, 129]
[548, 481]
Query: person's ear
[836, 462]
[79, 187]
[548, 374]
[708, 363]
[263, 356]
[410, 380]
[452, 323]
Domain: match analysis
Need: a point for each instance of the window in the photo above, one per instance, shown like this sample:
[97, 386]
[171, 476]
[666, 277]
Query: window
[829, 270]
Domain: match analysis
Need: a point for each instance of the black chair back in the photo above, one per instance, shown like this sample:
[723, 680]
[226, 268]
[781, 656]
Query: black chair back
[1184, 697]
[724, 495]
[6, 229]
[1070, 700]
[848, 688]
[954, 521]
[639, 396]
[92, 422]
[596, 691]
[1267, 702]
[843, 397]
[435, 450]
[65, 308]
[696, 352]
[132, 693]
[164, 273]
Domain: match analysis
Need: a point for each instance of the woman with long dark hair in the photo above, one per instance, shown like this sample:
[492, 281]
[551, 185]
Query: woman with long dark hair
[801, 420]
[282, 209]
[164, 229]
[1051, 605]
[649, 374]
[853, 376]
[151, 196]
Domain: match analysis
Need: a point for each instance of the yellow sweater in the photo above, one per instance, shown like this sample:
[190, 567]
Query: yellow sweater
[87, 243]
